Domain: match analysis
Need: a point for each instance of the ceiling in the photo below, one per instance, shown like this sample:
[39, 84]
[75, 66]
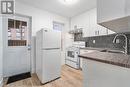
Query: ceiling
[57, 7]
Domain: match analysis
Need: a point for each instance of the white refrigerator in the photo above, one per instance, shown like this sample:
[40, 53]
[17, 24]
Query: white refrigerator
[48, 55]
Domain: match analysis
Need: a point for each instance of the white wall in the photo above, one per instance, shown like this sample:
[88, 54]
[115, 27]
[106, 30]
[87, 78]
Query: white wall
[80, 20]
[1, 52]
[41, 19]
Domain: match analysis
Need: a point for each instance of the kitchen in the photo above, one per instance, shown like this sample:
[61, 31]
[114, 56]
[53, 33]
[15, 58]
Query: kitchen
[95, 41]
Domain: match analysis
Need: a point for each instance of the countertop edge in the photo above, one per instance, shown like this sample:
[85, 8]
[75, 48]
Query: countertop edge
[105, 61]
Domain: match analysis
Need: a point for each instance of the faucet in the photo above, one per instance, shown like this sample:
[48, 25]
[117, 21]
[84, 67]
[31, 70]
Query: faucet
[126, 42]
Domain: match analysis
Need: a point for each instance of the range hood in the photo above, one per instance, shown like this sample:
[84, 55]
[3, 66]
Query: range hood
[118, 25]
[76, 31]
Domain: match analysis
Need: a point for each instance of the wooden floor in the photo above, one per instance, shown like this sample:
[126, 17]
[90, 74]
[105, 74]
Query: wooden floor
[69, 78]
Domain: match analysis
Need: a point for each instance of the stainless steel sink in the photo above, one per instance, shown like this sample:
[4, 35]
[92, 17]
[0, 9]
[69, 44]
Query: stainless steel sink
[113, 51]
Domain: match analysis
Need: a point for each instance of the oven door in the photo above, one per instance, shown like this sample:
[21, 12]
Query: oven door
[72, 56]
[72, 59]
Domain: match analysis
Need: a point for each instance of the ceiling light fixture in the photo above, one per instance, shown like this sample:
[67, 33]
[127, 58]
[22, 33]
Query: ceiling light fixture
[68, 2]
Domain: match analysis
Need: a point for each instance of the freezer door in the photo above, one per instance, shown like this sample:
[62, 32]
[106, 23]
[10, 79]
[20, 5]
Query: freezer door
[51, 39]
[51, 65]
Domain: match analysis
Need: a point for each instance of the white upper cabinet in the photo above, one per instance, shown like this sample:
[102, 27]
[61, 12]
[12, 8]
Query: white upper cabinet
[101, 30]
[114, 14]
[86, 24]
[88, 21]
[110, 32]
[95, 29]
[110, 9]
[128, 7]
[93, 23]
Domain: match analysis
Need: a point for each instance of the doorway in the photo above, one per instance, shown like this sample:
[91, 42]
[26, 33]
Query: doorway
[17, 44]
[61, 27]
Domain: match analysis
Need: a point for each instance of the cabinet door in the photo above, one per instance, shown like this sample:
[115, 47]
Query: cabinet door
[110, 31]
[96, 29]
[102, 30]
[86, 24]
[93, 22]
[110, 9]
[127, 7]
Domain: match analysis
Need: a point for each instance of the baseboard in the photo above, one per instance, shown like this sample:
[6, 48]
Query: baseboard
[1, 83]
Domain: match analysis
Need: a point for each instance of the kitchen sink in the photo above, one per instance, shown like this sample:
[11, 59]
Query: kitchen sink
[113, 51]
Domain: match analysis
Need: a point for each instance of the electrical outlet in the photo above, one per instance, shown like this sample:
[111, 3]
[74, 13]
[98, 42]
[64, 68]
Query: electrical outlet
[94, 41]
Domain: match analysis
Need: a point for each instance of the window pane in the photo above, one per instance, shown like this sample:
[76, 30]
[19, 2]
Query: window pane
[17, 33]
[58, 26]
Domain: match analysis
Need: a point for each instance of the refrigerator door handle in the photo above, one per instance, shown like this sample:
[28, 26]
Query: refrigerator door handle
[50, 48]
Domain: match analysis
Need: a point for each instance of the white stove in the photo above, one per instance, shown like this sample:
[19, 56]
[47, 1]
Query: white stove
[72, 53]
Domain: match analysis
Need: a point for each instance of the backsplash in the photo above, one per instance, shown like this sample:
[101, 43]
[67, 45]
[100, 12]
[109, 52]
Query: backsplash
[106, 41]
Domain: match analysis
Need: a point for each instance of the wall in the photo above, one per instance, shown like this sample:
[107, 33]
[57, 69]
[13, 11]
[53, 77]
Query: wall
[81, 20]
[41, 19]
[1, 51]
[106, 41]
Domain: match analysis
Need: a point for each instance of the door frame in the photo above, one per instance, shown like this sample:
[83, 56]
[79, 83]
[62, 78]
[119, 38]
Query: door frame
[30, 32]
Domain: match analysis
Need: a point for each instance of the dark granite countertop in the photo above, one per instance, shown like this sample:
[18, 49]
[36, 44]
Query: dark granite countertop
[122, 60]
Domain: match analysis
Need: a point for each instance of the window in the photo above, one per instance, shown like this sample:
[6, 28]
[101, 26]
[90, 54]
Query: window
[58, 26]
[17, 33]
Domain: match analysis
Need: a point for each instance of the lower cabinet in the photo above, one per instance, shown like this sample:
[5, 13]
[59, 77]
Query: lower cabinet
[98, 74]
